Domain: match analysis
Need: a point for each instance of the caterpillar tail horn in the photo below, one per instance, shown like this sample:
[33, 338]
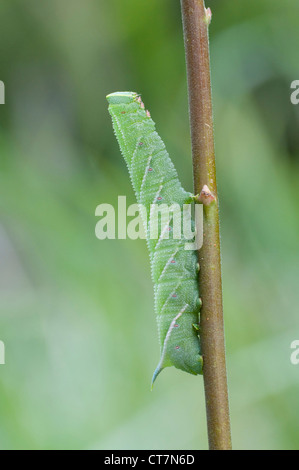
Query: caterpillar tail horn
[159, 369]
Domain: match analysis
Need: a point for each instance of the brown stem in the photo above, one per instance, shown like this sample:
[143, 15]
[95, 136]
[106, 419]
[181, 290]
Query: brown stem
[195, 24]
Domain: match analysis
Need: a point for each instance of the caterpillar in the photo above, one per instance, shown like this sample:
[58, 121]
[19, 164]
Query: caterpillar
[174, 269]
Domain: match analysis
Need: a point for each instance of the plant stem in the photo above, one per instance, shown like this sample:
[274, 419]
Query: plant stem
[195, 24]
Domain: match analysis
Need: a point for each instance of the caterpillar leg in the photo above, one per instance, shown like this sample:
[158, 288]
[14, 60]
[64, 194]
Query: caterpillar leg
[200, 359]
[190, 199]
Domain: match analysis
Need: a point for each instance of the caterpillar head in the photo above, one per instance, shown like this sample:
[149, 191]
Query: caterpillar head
[122, 97]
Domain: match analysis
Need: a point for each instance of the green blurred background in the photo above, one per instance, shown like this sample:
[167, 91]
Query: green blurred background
[77, 313]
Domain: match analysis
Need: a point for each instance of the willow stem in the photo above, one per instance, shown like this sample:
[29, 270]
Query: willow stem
[195, 24]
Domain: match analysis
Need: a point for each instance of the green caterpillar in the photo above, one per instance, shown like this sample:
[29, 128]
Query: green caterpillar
[174, 269]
